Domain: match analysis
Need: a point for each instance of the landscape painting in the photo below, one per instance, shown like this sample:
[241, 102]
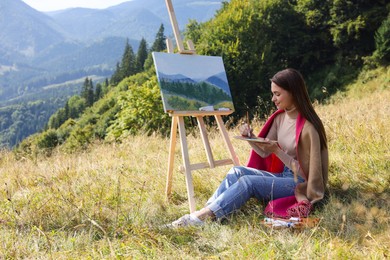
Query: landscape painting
[192, 82]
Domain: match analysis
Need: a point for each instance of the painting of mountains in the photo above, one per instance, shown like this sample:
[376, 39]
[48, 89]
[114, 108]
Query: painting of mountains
[192, 82]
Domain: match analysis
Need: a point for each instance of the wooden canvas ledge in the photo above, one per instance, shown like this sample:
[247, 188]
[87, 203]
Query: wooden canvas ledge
[200, 113]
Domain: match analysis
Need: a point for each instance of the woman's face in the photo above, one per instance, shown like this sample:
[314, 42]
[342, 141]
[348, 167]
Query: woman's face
[281, 97]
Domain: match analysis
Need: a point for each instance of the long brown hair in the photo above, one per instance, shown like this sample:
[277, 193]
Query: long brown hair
[292, 81]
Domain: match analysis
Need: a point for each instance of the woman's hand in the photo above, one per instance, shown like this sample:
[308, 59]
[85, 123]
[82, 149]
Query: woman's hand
[246, 131]
[271, 147]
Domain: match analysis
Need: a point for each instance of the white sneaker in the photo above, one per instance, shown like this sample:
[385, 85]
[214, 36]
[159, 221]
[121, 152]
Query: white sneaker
[187, 220]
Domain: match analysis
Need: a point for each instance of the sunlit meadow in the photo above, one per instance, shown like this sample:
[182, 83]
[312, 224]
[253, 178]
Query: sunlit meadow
[109, 201]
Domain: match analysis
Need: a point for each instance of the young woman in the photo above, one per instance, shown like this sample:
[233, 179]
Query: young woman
[296, 166]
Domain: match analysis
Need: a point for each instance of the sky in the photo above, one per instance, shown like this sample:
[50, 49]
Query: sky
[54, 5]
[192, 66]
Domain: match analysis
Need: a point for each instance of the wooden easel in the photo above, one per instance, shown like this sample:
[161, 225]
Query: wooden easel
[178, 122]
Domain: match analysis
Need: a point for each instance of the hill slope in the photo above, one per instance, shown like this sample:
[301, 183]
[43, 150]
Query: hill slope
[109, 200]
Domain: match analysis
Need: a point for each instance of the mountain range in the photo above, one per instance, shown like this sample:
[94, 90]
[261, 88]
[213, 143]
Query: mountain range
[45, 57]
[40, 49]
[218, 80]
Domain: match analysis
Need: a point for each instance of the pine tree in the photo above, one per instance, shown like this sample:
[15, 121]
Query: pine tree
[159, 42]
[87, 92]
[142, 54]
[116, 76]
[382, 42]
[128, 62]
[90, 97]
[84, 90]
[98, 92]
[127, 67]
[67, 109]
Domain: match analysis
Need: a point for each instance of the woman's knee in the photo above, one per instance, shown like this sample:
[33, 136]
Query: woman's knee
[238, 171]
[246, 182]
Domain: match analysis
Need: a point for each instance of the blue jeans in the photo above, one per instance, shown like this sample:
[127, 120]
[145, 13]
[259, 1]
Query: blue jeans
[242, 183]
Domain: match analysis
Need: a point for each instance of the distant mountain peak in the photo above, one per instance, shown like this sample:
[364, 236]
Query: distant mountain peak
[27, 31]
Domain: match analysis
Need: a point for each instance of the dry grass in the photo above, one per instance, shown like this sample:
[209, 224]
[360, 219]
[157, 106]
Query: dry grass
[108, 202]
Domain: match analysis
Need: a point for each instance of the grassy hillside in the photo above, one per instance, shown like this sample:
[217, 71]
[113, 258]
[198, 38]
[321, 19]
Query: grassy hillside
[108, 202]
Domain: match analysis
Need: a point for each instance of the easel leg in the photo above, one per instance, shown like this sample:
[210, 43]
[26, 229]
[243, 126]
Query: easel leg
[205, 140]
[184, 150]
[225, 136]
[171, 159]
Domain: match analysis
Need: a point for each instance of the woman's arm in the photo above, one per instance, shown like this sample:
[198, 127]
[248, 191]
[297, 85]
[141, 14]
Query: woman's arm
[265, 149]
[289, 161]
[258, 149]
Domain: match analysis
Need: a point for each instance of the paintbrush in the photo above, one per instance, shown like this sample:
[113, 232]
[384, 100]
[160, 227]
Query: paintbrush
[249, 124]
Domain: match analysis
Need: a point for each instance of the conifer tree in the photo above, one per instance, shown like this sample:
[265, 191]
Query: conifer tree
[67, 113]
[382, 42]
[142, 54]
[98, 92]
[84, 90]
[159, 42]
[90, 97]
[116, 77]
[128, 62]
[87, 92]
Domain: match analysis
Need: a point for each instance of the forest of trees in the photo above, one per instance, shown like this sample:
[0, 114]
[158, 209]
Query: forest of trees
[130, 64]
[202, 91]
[18, 123]
[330, 42]
[12, 118]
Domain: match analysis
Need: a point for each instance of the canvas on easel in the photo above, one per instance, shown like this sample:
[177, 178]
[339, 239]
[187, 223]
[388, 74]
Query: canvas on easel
[192, 82]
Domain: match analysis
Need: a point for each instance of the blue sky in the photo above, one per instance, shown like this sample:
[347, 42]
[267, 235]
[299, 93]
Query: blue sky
[53, 5]
[193, 66]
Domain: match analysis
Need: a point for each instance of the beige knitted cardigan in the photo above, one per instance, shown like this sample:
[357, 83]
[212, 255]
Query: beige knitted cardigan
[314, 163]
